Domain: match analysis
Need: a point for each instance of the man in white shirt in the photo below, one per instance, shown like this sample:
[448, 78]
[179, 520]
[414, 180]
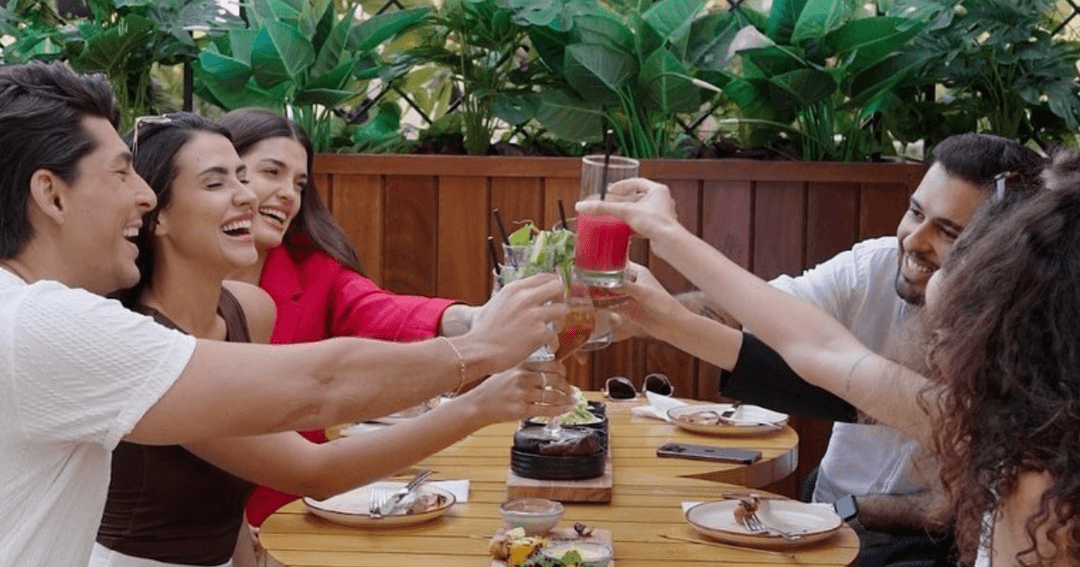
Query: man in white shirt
[79, 372]
[875, 289]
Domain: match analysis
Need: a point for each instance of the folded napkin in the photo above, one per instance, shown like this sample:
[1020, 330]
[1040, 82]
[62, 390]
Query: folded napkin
[459, 488]
[657, 407]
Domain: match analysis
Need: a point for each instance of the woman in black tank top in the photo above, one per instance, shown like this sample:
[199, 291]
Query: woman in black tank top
[183, 505]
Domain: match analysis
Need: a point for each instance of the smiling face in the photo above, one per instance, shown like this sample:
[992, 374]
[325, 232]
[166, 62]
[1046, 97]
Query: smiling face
[939, 210]
[104, 206]
[209, 216]
[277, 172]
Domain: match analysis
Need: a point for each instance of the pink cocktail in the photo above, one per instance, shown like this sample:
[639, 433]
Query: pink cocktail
[601, 251]
[602, 240]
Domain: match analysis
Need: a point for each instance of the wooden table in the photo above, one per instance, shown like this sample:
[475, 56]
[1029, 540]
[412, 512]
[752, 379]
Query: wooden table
[646, 505]
[634, 440]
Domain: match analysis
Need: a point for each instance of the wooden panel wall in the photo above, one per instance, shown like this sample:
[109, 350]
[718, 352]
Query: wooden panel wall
[420, 224]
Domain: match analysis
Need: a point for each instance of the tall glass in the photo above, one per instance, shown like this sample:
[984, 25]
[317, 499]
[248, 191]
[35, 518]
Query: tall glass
[514, 258]
[599, 297]
[603, 241]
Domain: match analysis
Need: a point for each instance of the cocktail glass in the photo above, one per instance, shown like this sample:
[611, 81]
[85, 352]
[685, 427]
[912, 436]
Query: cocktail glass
[600, 297]
[512, 269]
[603, 241]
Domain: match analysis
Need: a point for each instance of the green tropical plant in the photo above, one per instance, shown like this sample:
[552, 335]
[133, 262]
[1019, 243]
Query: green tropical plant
[302, 58]
[1001, 69]
[630, 66]
[488, 55]
[123, 39]
[821, 70]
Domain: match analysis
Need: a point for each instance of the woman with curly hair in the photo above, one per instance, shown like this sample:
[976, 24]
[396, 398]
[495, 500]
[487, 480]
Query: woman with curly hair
[1000, 404]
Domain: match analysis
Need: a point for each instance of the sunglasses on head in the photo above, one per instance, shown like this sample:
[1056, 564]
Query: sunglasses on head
[145, 120]
[620, 388]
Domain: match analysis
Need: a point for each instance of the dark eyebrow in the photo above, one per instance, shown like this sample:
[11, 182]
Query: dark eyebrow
[946, 223]
[122, 159]
[274, 162]
[241, 169]
[215, 169]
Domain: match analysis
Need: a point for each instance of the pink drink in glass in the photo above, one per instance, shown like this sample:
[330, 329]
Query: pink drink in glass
[602, 244]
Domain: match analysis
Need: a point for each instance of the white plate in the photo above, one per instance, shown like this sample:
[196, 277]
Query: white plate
[812, 523]
[351, 508]
[747, 419]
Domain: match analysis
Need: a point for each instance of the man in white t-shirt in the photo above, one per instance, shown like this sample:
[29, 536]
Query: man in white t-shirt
[78, 372]
[875, 289]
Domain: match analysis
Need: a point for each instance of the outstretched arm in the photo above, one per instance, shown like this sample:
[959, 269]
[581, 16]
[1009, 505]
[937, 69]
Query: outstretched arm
[246, 389]
[288, 462]
[816, 346]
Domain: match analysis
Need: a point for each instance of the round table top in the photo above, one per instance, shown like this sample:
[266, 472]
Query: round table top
[645, 515]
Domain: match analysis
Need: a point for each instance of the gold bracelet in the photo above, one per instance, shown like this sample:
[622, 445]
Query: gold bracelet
[461, 365]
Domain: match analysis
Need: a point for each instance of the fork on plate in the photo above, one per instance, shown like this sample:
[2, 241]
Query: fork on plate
[754, 524]
[383, 502]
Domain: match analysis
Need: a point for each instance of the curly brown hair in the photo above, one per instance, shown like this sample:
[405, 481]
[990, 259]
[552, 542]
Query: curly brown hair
[1007, 346]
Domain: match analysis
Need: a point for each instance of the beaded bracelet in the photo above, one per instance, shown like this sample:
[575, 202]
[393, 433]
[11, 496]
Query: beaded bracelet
[461, 365]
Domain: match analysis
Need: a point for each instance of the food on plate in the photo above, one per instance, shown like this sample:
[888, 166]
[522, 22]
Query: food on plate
[514, 547]
[748, 506]
[702, 417]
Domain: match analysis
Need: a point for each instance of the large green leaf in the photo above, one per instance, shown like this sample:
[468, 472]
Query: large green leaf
[672, 20]
[869, 41]
[515, 108]
[335, 79]
[251, 95]
[226, 72]
[107, 49]
[372, 32]
[762, 100]
[782, 18]
[239, 44]
[293, 50]
[806, 86]
[550, 47]
[333, 49]
[603, 29]
[820, 17]
[710, 40]
[267, 11]
[770, 61]
[665, 83]
[570, 119]
[324, 97]
[613, 68]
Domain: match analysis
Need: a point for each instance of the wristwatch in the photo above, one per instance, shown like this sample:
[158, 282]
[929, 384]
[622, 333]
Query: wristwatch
[847, 508]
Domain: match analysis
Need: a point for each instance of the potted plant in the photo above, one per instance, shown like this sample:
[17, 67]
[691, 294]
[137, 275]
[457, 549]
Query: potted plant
[300, 57]
[999, 67]
[123, 40]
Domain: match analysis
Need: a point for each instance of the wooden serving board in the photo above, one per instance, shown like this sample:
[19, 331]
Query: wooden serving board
[560, 534]
[586, 490]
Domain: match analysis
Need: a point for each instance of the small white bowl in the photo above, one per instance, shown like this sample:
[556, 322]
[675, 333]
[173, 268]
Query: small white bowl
[534, 515]
[594, 554]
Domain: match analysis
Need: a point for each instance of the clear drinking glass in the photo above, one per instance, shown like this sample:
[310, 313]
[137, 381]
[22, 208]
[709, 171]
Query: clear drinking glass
[603, 241]
[514, 258]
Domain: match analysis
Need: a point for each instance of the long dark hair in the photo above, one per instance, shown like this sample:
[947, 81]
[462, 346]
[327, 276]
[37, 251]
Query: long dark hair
[41, 111]
[1006, 346]
[314, 228]
[154, 160]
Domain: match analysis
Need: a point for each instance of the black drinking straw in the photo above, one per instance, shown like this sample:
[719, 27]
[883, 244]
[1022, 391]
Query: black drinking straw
[494, 255]
[505, 235]
[609, 143]
[562, 215]
[502, 227]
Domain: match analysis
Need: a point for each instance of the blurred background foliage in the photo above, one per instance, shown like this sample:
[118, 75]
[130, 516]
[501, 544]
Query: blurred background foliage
[800, 79]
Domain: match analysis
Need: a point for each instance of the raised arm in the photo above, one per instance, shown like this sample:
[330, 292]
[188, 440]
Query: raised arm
[816, 346]
[288, 462]
[244, 389]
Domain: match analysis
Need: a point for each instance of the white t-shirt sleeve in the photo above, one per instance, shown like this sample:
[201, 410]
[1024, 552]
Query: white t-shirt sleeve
[839, 285]
[87, 369]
